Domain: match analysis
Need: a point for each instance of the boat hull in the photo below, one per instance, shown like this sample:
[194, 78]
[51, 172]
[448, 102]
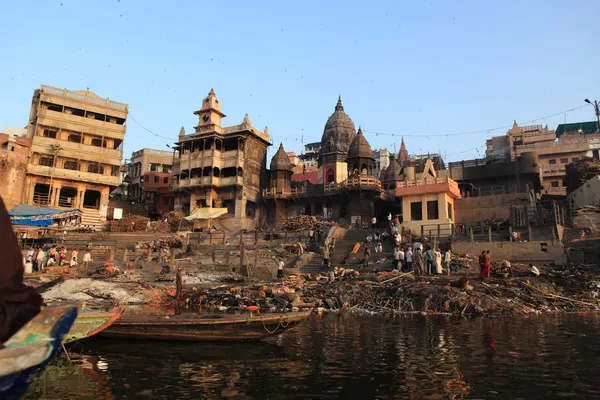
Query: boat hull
[89, 323]
[207, 328]
[30, 349]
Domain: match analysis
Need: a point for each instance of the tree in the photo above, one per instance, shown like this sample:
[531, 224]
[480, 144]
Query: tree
[580, 171]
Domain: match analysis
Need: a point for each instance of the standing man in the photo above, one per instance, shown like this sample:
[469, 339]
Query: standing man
[409, 259]
[429, 261]
[367, 254]
[482, 265]
[397, 258]
[39, 259]
[326, 256]
[179, 283]
[487, 265]
[280, 266]
[447, 260]
[402, 265]
[437, 261]
[87, 257]
[373, 222]
[389, 218]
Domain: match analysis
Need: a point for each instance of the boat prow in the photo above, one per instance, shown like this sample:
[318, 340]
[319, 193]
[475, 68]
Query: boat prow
[29, 350]
[89, 323]
[204, 327]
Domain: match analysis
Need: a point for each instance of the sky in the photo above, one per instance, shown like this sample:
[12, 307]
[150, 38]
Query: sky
[445, 75]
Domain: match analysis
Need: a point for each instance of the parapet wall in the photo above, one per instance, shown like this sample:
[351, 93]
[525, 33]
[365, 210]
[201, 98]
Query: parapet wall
[526, 252]
[478, 209]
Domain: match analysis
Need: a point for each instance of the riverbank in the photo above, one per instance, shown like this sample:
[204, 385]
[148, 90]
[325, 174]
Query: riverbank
[558, 289]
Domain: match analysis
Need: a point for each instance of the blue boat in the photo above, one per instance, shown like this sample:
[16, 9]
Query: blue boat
[28, 351]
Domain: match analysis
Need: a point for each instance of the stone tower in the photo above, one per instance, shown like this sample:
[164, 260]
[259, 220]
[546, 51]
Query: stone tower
[403, 156]
[281, 170]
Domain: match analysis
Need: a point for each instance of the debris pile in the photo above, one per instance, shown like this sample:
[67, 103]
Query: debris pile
[136, 223]
[129, 223]
[93, 290]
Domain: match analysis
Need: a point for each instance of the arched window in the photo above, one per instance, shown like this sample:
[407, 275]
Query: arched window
[74, 138]
[46, 161]
[95, 169]
[329, 177]
[98, 142]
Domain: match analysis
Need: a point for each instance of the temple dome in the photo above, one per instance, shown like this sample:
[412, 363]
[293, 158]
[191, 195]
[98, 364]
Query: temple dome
[360, 147]
[281, 161]
[392, 173]
[339, 131]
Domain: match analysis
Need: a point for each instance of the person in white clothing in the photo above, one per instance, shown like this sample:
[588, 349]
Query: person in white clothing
[408, 256]
[87, 257]
[401, 264]
[379, 248]
[437, 261]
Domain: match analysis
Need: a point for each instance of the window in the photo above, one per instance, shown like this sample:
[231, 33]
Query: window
[450, 211]
[416, 211]
[153, 167]
[156, 179]
[552, 162]
[167, 168]
[5, 146]
[46, 161]
[98, 142]
[146, 178]
[95, 169]
[72, 165]
[74, 138]
[166, 179]
[49, 133]
[432, 210]
[114, 170]
[554, 184]
[564, 160]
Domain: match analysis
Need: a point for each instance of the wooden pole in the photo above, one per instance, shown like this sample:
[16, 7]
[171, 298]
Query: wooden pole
[489, 234]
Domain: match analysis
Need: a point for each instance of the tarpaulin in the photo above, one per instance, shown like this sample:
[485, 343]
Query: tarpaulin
[206, 213]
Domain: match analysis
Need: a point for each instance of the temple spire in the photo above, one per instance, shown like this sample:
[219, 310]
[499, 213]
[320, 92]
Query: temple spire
[339, 106]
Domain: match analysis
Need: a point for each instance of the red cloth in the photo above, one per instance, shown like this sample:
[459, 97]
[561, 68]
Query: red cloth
[485, 270]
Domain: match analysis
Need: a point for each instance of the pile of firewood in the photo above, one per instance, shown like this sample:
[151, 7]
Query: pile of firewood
[300, 222]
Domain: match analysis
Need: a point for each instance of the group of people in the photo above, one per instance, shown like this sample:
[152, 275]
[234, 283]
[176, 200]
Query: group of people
[429, 262]
[37, 259]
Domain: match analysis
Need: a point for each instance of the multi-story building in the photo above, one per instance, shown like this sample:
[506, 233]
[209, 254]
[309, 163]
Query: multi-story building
[554, 149]
[149, 174]
[308, 159]
[14, 156]
[76, 150]
[221, 167]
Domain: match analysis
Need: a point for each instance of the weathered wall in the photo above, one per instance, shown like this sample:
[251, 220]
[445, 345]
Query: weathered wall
[586, 194]
[515, 251]
[476, 209]
[14, 154]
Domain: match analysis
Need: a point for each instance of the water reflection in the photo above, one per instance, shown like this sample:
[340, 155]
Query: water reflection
[350, 357]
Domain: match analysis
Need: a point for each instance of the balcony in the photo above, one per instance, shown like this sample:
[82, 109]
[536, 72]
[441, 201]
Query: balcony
[355, 183]
[68, 174]
[284, 193]
[208, 181]
[554, 170]
[80, 124]
[77, 150]
[556, 191]
[427, 185]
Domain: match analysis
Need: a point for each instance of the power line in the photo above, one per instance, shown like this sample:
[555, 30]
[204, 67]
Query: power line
[472, 132]
[148, 130]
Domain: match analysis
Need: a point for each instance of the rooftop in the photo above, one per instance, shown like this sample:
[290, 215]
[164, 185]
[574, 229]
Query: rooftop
[587, 128]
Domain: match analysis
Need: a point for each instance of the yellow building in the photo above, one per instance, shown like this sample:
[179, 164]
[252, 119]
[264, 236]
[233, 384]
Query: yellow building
[427, 196]
[76, 151]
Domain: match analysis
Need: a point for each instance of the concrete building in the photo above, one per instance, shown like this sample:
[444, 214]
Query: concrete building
[150, 172]
[308, 159]
[555, 149]
[221, 167]
[14, 157]
[76, 150]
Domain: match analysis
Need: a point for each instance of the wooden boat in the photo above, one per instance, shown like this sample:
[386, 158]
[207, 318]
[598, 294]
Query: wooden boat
[204, 327]
[89, 323]
[29, 350]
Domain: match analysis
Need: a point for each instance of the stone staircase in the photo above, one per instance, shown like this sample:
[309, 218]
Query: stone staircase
[344, 246]
[91, 217]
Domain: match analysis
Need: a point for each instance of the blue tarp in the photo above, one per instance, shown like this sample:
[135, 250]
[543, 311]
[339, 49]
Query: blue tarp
[24, 214]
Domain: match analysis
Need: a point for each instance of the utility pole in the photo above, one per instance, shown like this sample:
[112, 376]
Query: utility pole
[55, 149]
[596, 106]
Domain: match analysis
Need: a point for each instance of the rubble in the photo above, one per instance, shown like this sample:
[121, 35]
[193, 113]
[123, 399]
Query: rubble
[305, 223]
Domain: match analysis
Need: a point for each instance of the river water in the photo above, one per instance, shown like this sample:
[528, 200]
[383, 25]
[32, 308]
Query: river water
[348, 356]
